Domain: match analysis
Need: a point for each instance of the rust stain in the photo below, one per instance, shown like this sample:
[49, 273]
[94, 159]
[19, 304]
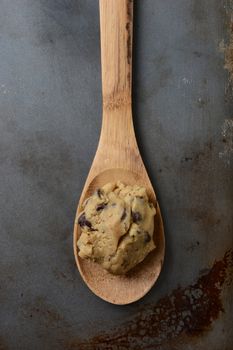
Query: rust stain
[227, 49]
[3, 345]
[186, 313]
[42, 311]
[228, 52]
[227, 134]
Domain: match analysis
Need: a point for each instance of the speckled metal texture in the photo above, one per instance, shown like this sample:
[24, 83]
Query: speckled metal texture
[50, 118]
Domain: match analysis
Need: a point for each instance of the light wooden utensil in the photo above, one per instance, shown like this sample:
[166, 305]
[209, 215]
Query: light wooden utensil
[118, 157]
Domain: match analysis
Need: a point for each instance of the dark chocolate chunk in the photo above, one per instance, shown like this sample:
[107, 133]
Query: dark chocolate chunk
[124, 263]
[123, 216]
[100, 206]
[140, 197]
[147, 237]
[99, 193]
[82, 221]
[136, 216]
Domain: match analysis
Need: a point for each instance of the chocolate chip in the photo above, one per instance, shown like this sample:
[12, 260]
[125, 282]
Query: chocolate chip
[140, 197]
[147, 237]
[124, 263]
[99, 193]
[136, 216]
[82, 221]
[123, 216]
[100, 206]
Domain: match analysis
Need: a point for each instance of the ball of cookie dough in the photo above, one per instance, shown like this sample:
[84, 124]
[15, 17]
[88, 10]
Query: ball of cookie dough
[117, 226]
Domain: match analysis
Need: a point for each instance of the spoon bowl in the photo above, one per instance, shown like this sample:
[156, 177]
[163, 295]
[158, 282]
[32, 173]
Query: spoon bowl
[133, 286]
[118, 158]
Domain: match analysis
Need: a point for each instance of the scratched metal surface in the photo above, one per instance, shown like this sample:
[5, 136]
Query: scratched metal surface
[50, 117]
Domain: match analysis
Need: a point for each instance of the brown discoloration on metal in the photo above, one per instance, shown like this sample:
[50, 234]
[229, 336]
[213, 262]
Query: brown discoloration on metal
[3, 345]
[41, 310]
[186, 313]
[229, 51]
[227, 133]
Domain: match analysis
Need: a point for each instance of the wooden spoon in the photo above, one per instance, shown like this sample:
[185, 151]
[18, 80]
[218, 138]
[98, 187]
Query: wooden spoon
[118, 157]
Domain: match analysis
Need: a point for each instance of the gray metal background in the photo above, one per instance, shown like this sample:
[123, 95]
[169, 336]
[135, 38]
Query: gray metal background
[50, 118]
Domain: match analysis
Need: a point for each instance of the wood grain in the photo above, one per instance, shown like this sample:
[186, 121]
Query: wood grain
[116, 23]
[117, 156]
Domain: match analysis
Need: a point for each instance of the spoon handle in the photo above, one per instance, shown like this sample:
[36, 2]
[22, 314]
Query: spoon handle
[116, 28]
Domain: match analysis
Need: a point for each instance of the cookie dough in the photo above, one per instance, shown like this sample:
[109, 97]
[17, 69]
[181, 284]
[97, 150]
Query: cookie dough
[117, 226]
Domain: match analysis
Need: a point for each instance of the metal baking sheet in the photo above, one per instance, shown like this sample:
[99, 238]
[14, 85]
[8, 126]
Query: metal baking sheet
[50, 118]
